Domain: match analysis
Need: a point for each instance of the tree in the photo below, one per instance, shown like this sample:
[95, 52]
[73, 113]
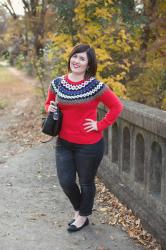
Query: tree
[3, 27]
[149, 84]
[7, 4]
[33, 20]
[99, 24]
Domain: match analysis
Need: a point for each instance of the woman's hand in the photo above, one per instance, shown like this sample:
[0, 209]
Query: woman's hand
[52, 107]
[90, 125]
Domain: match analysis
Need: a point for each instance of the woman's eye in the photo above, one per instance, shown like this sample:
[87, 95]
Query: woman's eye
[80, 58]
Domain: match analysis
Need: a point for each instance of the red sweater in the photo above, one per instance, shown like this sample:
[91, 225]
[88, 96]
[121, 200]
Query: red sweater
[76, 105]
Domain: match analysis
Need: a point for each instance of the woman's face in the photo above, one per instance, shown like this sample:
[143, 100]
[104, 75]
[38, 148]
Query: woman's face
[79, 63]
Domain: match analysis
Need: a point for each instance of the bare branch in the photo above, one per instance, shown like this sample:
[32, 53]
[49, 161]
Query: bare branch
[10, 4]
[26, 5]
[11, 10]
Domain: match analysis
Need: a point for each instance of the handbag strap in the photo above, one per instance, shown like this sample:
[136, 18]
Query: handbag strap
[56, 101]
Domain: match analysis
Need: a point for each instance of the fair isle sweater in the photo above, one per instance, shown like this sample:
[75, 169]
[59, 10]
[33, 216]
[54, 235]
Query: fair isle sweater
[78, 101]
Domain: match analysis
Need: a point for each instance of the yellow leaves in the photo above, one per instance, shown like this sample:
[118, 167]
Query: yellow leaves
[108, 41]
[110, 1]
[80, 15]
[38, 8]
[84, 39]
[102, 12]
[104, 65]
[102, 54]
[92, 29]
[122, 34]
[163, 105]
[50, 35]
[112, 42]
[60, 39]
[126, 64]
[162, 7]
[116, 86]
[59, 49]
[89, 2]
[62, 43]
[120, 76]
[152, 82]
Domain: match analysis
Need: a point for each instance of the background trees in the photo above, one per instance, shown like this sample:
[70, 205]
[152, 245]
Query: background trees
[149, 83]
[129, 38]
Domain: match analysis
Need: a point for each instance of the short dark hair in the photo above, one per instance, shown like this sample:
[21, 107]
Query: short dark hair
[92, 62]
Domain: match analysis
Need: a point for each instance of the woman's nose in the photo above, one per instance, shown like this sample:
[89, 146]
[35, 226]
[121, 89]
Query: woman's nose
[76, 60]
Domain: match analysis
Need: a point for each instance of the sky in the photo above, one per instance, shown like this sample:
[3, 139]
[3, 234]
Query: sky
[17, 5]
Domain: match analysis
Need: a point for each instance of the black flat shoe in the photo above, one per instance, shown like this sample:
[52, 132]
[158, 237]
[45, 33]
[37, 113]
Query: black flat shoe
[70, 222]
[73, 228]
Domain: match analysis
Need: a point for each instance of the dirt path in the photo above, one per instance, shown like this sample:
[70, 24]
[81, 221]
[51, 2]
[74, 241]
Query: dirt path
[19, 111]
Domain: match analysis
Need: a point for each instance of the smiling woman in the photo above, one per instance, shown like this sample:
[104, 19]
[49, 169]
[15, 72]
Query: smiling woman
[80, 144]
[83, 61]
[78, 64]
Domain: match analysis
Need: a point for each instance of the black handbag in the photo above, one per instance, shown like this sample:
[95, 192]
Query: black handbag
[52, 124]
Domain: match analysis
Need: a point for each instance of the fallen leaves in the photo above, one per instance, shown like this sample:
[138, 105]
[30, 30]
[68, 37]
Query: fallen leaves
[26, 129]
[115, 213]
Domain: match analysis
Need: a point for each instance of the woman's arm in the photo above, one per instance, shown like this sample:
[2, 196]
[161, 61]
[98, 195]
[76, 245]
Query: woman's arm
[115, 106]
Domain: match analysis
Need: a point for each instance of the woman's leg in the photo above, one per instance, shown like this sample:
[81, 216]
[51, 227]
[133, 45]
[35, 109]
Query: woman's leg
[88, 158]
[66, 171]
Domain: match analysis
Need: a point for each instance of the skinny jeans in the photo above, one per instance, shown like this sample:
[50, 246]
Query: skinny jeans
[83, 160]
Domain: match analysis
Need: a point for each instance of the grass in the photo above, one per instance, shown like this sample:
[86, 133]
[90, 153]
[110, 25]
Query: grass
[12, 87]
[3, 104]
[15, 86]
[5, 77]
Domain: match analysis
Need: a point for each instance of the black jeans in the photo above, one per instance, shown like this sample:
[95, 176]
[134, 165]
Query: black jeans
[81, 159]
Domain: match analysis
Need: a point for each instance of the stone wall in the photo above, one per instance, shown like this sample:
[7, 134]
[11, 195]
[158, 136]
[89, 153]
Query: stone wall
[134, 164]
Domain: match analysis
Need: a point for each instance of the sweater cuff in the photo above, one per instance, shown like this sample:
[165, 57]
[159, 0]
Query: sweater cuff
[100, 126]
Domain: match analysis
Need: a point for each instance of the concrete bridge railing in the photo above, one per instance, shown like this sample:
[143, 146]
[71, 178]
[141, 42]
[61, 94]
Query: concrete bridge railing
[134, 165]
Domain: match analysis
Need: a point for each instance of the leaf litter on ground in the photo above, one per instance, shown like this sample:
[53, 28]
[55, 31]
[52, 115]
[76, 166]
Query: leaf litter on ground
[116, 213]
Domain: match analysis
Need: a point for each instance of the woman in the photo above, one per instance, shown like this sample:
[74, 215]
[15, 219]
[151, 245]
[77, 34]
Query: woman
[80, 145]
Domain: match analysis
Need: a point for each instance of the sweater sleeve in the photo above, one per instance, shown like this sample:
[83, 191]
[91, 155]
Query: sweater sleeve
[114, 105]
[50, 97]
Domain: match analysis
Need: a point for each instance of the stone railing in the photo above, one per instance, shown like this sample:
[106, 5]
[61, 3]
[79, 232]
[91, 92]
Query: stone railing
[134, 164]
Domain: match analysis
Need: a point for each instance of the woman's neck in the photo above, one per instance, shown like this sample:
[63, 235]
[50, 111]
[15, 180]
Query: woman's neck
[75, 77]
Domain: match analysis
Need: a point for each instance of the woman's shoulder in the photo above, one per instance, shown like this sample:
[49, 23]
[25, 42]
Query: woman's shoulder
[97, 87]
[99, 84]
[55, 83]
[56, 79]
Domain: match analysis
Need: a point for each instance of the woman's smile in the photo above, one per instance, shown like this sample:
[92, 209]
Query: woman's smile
[79, 63]
[76, 65]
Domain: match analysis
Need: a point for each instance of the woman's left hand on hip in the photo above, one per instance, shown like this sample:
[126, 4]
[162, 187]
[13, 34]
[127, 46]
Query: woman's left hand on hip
[90, 125]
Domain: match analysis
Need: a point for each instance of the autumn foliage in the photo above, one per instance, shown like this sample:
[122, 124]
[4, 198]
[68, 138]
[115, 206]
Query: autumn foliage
[130, 45]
